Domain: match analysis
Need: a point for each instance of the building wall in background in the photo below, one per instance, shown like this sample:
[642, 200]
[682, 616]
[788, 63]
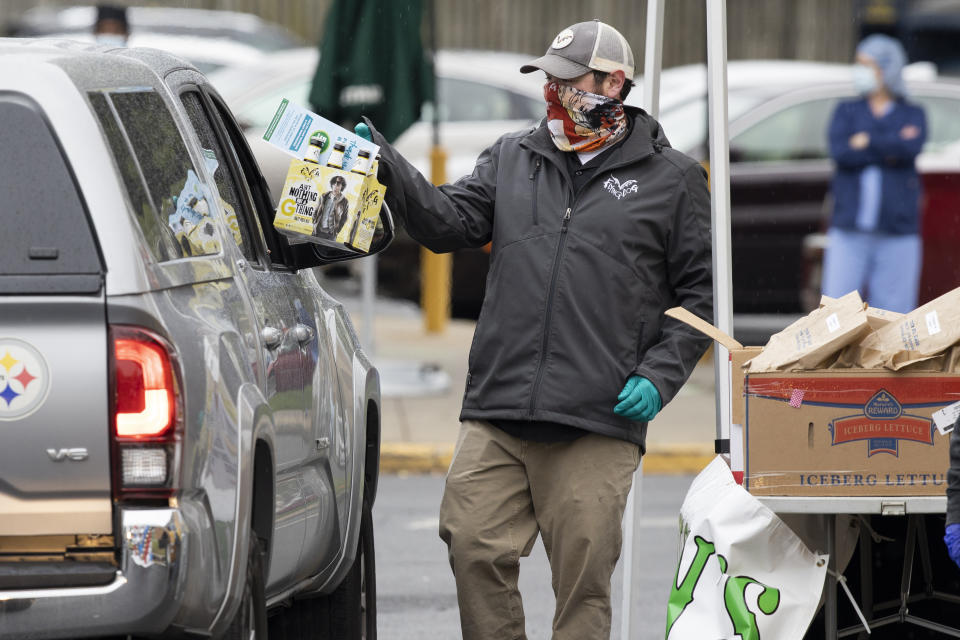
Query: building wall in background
[803, 29]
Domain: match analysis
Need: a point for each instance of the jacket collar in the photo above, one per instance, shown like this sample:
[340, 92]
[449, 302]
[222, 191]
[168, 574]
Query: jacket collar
[644, 131]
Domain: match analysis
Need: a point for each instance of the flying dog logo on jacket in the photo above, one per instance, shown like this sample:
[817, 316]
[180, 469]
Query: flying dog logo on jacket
[619, 190]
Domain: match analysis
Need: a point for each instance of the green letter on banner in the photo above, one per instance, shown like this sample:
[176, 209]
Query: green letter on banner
[682, 595]
[734, 598]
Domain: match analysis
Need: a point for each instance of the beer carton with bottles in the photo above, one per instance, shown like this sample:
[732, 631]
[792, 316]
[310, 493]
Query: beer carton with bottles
[331, 194]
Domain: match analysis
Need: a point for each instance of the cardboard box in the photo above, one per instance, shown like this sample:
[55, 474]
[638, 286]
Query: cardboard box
[847, 432]
[851, 432]
[350, 220]
[324, 200]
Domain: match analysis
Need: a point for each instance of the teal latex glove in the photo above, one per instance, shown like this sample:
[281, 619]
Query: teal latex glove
[639, 400]
[362, 130]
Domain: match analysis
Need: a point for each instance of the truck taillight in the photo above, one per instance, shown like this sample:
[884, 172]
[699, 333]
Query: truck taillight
[145, 414]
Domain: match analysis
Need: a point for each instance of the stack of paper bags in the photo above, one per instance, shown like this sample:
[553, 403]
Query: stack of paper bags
[926, 333]
[846, 333]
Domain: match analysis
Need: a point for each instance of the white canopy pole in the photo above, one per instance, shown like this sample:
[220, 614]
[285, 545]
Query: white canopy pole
[630, 621]
[720, 203]
[653, 58]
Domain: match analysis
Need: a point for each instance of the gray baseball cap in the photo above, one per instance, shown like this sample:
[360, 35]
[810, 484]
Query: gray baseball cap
[583, 47]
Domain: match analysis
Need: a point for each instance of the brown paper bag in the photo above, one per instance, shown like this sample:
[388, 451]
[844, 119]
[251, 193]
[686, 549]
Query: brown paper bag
[878, 318]
[919, 335]
[817, 337]
[865, 351]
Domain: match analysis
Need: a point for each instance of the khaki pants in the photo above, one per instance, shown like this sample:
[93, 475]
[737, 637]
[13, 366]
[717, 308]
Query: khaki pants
[500, 492]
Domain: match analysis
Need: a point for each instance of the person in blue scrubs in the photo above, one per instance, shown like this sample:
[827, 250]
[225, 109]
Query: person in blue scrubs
[874, 242]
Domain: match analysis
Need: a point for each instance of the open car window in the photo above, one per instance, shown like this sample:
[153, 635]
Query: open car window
[248, 173]
[233, 203]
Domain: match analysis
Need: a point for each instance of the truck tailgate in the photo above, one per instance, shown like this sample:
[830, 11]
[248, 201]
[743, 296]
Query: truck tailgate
[54, 417]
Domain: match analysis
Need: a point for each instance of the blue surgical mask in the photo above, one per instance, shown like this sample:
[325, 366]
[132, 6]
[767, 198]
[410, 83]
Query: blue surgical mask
[111, 39]
[864, 79]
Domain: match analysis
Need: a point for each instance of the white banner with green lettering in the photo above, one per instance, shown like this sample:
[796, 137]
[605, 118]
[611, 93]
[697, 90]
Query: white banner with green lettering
[742, 572]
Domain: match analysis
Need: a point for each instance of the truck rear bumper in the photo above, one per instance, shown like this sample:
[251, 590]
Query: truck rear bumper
[143, 597]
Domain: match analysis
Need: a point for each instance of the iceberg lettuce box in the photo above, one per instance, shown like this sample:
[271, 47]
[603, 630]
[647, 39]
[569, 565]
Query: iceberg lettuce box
[331, 194]
[837, 432]
[846, 432]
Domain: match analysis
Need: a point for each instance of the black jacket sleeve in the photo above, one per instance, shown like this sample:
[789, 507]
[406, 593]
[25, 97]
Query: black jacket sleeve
[442, 218]
[953, 477]
[669, 362]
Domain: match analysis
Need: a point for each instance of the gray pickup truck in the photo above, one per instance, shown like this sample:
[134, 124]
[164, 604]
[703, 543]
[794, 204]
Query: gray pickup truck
[189, 428]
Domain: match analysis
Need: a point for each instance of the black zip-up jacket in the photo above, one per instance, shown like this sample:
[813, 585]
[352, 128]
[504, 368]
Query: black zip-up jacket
[578, 282]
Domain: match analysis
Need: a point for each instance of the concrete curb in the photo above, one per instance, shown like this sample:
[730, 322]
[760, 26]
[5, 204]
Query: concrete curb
[663, 459]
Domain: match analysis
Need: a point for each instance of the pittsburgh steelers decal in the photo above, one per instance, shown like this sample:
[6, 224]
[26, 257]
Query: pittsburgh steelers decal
[24, 379]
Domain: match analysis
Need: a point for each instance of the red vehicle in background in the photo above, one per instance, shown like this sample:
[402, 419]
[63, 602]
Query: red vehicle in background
[941, 231]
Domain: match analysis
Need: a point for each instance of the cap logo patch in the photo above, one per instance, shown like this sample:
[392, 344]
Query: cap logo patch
[563, 38]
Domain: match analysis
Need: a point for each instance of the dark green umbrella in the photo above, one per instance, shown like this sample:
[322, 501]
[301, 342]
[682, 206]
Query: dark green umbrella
[372, 63]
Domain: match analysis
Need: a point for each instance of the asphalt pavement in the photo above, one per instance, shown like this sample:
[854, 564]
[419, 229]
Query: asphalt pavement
[422, 382]
[416, 596]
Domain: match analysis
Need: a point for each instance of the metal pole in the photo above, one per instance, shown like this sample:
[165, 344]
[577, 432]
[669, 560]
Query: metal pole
[720, 202]
[630, 621]
[653, 58]
[435, 269]
[369, 292]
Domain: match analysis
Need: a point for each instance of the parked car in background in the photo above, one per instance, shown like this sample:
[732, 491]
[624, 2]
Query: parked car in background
[243, 28]
[189, 427]
[209, 39]
[482, 95]
[207, 55]
[780, 177]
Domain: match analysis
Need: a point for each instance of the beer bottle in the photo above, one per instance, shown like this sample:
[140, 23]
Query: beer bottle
[335, 160]
[360, 166]
[314, 149]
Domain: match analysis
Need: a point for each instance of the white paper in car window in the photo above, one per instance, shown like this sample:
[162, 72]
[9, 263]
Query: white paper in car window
[292, 127]
[190, 222]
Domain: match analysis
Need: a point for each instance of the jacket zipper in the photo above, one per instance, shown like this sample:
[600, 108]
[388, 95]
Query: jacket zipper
[549, 312]
[544, 341]
[535, 177]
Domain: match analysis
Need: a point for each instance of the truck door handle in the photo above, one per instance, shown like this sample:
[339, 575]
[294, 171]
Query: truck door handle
[303, 333]
[272, 337]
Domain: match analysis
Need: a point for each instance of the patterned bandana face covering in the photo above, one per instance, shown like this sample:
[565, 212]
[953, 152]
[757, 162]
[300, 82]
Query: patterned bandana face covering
[582, 121]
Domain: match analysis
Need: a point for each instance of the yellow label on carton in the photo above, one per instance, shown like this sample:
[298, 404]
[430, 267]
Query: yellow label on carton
[329, 206]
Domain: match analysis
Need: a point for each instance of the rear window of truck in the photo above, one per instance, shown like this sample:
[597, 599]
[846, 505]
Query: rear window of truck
[47, 245]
